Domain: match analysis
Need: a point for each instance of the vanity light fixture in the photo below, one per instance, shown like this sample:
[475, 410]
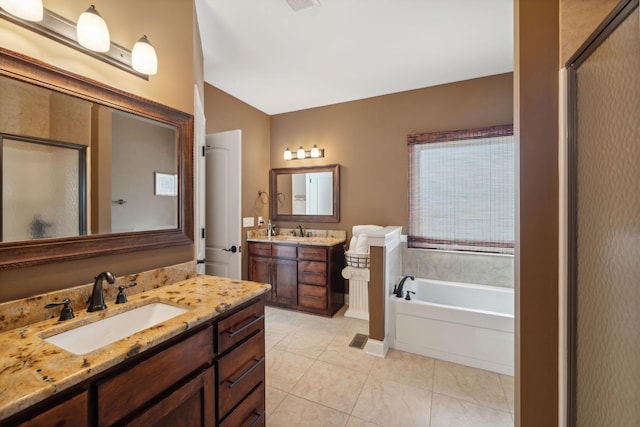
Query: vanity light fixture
[301, 153]
[29, 10]
[92, 31]
[90, 35]
[143, 57]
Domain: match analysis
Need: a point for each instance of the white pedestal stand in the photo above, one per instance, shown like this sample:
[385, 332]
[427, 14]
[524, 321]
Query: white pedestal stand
[358, 292]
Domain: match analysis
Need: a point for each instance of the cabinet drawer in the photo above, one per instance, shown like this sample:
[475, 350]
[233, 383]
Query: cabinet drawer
[283, 251]
[260, 249]
[312, 254]
[312, 296]
[132, 388]
[240, 325]
[312, 273]
[249, 413]
[239, 372]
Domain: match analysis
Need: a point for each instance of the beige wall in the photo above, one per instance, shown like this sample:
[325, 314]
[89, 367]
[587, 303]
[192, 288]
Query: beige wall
[368, 138]
[578, 19]
[224, 113]
[169, 25]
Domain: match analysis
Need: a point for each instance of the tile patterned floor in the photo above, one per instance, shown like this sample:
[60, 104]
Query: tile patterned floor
[314, 378]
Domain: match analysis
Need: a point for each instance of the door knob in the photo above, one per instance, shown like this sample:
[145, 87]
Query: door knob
[233, 249]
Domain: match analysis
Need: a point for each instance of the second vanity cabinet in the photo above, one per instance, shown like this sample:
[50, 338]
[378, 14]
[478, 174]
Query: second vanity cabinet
[302, 277]
[212, 376]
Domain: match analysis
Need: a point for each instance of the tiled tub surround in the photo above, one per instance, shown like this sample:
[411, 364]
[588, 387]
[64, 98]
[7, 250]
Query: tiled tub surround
[32, 369]
[466, 267]
[22, 312]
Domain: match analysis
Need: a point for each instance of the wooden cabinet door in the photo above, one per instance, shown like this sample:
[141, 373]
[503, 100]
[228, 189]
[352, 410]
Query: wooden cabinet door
[188, 406]
[260, 271]
[71, 412]
[286, 281]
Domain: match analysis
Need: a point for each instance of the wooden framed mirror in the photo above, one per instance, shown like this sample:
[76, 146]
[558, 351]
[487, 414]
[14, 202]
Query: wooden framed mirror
[129, 142]
[305, 194]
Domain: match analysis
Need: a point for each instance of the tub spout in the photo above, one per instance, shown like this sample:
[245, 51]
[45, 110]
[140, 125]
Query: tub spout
[398, 288]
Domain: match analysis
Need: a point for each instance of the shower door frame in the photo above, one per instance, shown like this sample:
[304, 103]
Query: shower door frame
[618, 15]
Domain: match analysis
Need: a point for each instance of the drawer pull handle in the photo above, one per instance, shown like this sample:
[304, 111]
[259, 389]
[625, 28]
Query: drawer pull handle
[317, 273]
[245, 327]
[312, 297]
[259, 415]
[233, 383]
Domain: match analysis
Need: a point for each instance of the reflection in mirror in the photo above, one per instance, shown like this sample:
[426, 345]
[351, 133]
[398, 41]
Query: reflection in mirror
[305, 194]
[106, 171]
[122, 152]
[43, 188]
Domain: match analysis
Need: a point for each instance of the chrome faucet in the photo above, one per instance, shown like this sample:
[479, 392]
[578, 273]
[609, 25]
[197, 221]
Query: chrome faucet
[299, 227]
[97, 296]
[398, 288]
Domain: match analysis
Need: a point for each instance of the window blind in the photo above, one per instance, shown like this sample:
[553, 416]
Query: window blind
[461, 190]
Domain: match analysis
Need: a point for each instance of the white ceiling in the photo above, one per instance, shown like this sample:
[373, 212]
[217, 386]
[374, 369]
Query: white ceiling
[278, 61]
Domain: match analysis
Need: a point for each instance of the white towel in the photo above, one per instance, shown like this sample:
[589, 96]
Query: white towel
[353, 243]
[362, 245]
[359, 229]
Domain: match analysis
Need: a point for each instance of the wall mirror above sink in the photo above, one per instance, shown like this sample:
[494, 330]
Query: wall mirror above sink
[305, 194]
[86, 169]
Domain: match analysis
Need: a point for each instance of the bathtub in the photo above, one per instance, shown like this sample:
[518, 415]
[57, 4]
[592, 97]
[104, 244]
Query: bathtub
[458, 322]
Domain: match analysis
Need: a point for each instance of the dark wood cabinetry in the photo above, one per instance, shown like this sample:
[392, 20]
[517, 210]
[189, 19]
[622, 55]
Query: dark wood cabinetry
[210, 377]
[70, 412]
[306, 278]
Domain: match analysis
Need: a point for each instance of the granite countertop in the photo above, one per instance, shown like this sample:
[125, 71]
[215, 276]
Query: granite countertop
[316, 237]
[32, 369]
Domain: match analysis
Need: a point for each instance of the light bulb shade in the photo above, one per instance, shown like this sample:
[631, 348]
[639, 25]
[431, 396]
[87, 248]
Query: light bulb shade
[315, 151]
[29, 10]
[143, 57]
[93, 32]
[301, 153]
[287, 154]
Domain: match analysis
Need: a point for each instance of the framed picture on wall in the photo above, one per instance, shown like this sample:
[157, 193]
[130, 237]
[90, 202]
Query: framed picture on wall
[166, 184]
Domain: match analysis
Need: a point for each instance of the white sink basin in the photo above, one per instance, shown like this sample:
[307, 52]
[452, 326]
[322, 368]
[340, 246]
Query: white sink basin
[87, 338]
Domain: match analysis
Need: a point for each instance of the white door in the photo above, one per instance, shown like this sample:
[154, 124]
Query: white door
[223, 183]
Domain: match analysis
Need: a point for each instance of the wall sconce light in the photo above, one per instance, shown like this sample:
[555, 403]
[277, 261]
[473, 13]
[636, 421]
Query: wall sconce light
[90, 35]
[92, 31]
[29, 10]
[314, 153]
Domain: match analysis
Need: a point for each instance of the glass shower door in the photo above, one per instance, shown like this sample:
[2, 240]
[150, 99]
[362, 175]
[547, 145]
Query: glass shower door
[43, 189]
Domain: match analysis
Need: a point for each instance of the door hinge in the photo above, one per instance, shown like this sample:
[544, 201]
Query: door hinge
[203, 151]
[202, 233]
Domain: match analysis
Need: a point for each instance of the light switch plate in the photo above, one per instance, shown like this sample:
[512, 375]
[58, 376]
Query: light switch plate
[247, 221]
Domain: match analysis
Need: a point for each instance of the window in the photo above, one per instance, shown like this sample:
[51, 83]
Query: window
[461, 190]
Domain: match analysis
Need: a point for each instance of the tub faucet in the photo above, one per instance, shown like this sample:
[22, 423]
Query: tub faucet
[398, 289]
[97, 296]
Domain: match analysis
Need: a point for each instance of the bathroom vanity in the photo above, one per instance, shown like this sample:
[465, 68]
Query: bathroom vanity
[304, 272]
[204, 367]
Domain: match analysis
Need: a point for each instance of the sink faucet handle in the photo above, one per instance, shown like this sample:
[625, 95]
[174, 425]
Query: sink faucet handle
[67, 311]
[121, 298]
